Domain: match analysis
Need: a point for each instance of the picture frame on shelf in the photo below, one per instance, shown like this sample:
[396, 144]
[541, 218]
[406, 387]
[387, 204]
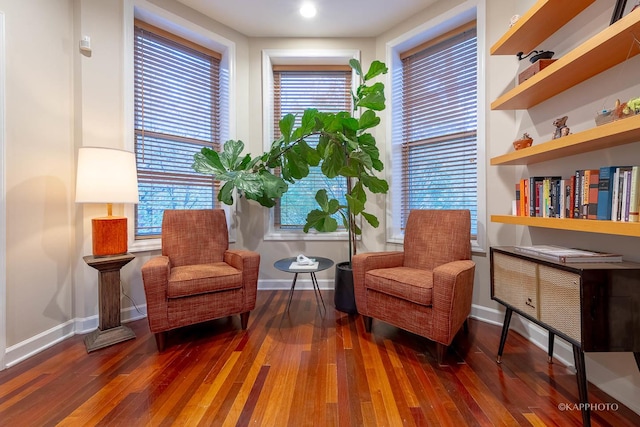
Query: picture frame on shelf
[622, 8]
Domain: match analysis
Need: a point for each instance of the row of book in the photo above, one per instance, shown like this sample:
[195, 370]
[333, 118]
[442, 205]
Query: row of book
[609, 193]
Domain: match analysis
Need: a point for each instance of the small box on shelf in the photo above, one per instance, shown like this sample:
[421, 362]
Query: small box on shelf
[534, 68]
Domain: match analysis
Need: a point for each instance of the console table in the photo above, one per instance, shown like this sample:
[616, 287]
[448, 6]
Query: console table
[593, 306]
[109, 331]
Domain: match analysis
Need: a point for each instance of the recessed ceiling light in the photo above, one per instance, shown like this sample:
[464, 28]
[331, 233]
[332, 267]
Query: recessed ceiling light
[308, 10]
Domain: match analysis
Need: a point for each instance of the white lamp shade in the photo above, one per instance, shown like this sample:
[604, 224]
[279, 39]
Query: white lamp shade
[106, 175]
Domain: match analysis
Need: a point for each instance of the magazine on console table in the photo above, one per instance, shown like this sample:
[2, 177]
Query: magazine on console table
[567, 255]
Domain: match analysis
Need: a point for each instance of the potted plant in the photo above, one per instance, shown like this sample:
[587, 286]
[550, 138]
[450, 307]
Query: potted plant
[345, 148]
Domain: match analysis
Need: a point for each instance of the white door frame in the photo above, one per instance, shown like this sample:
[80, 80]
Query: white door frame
[3, 203]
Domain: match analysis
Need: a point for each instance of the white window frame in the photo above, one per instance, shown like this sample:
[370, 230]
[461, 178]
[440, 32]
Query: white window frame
[294, 57]
[453, 18]
[179, 26]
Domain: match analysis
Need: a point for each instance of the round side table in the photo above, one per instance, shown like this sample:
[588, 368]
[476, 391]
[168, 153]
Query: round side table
[285, 265]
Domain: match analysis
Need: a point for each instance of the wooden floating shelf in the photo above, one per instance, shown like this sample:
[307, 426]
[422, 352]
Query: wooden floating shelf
[535, 26]
[609, 135]
[593, 226]
[612, 46]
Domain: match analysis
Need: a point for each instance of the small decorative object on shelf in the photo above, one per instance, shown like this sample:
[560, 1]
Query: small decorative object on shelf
[561, 127]
[622, 111]
[524, 142]
[513, 20]
[537, 54]
[534, 69]
[604, 116]
[632, 107]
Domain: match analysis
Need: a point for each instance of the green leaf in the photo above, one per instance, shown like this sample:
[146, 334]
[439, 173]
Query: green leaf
[374, 184]
[321, 221]
[375, 69]
[230, 153]
[355, 205]
[377, 165]
[225, 195]
[323, 200]
[373, 97]
[263, 200]
[295, 165]
[333, 161]
[368, 120]
[249, 183]
[355, 64]
[286, 127]
[273, 186]
[307, 153]
[371, 219]
[363, 158]
[351, 170]
[212, 157]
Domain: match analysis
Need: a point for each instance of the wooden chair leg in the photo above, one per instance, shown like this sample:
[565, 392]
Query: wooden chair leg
[441, 350]
[367, 323]
[161, 338]
[244, 319]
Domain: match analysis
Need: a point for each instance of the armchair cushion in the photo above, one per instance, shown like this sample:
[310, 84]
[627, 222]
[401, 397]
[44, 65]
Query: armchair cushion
[407, 283]
[190, 280]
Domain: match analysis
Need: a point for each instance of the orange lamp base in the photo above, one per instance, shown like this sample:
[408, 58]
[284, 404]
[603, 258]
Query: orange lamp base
[109, 235]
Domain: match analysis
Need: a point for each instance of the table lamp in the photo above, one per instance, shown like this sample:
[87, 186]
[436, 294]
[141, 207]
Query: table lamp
[107, 175]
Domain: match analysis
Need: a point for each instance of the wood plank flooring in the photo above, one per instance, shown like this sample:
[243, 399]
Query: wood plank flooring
[296, 370]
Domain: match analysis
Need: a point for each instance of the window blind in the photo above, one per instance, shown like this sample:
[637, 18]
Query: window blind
[439, 127]
[296, 88]
[177, 112]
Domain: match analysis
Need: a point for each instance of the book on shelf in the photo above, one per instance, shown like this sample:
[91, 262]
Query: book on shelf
[568, 255]
[634, 198]
[295, 266]
[591, 186]
[605, 192]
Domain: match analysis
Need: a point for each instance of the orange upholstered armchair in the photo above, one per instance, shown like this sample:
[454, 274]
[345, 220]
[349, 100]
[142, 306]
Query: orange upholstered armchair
[197, 278]
[427, 288]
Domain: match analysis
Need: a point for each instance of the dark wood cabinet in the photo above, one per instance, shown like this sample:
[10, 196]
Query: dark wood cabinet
[593, 306]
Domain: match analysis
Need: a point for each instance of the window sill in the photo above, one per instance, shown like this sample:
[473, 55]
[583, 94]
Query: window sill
[145, 245]
[300, 235]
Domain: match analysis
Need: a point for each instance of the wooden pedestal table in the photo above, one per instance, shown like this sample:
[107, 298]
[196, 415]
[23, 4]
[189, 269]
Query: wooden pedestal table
[109, 331]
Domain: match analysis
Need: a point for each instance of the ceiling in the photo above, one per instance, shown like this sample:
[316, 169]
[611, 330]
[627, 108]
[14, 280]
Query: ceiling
[335, 18]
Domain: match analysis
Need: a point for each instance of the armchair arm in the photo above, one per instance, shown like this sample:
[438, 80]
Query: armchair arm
[155, 277]
[361, 263]
[249, 263]
[452, 295]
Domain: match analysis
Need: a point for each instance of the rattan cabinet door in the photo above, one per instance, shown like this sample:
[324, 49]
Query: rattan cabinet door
[515, 283]
[560, 300]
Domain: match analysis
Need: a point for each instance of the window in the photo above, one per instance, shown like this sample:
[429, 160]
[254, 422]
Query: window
[177, 112]
[296, 88]
[435, 136]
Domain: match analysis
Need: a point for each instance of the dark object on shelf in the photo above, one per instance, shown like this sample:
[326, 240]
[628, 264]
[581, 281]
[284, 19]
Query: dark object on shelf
[561, 127]
[537, 54]
[622, 8]
[534, 69]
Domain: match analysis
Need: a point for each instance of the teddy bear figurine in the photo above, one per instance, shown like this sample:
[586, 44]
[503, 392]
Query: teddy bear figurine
[561, 127]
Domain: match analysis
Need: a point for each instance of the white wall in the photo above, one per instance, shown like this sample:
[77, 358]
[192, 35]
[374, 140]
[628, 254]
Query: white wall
[39, 167]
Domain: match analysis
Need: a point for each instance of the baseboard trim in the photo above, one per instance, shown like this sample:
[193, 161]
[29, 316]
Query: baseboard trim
[38, 343]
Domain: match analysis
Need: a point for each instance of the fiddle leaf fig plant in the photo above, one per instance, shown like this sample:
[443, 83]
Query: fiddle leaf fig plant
[345, 149]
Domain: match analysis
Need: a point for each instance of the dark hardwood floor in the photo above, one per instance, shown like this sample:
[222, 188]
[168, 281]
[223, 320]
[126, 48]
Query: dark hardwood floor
[295, 370]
